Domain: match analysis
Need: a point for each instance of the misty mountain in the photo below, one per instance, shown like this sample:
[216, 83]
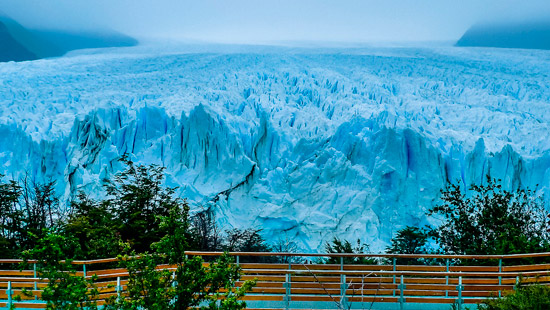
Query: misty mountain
[528, 35]
[10, 49]
[18, 43]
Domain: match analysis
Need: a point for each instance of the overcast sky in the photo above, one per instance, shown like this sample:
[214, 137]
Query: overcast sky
[265, 21]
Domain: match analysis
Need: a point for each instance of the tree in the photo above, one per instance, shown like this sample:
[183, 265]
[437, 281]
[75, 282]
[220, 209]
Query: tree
[409, 240]
[40, 209]
[65, 290]
[206, 235]
[11, 219]
[247, 240]
[491, 220]
[344, 246]
[91, 223]
[189, 283]
[138, 200]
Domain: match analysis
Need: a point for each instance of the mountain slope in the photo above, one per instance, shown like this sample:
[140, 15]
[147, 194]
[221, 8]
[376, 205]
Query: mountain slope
[528, 35]
[11, 49]
[19, 43]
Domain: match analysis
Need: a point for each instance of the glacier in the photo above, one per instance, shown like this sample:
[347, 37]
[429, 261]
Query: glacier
[305, 143]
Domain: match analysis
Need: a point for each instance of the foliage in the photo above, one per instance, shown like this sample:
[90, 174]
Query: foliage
[91, 223]
[188, 283]
[344, 246]
[524, 297]
[287, 245]
[41, 210]
[11, 219]
[247, 240]
[491, 220]
[205, 233]
[137, 200]
[65, 289]
[409, 240]
[25, 212]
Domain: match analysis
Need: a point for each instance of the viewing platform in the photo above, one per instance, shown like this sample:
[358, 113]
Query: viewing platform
[301, 281]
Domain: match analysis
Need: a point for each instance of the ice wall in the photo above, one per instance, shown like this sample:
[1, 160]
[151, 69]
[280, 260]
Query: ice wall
[305, 146]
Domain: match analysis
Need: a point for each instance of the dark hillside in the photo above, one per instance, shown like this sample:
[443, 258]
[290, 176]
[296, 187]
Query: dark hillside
[18, 43]
[11, 49]
[531, 35]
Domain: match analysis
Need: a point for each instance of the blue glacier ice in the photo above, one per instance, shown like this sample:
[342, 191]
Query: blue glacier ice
[304, 143]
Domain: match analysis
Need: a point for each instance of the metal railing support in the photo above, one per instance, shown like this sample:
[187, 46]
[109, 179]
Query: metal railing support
[288, 292]
[447, 277]
[459, 288]
[84, 270]
[118, 288]
[394, 270]
[343, 289]
[9, 293]
[35, 284]
[402, 293]
[499, 277]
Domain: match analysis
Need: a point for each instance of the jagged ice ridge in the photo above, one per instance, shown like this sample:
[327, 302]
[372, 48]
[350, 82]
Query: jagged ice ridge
[304, 143]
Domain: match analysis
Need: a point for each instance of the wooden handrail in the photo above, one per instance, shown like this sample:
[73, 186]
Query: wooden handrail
[334, 255]
[442, 256]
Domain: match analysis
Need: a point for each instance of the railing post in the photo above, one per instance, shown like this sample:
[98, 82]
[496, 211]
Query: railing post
[394, 270]
[447, 277]
[343, 288]
[459, 288]
[118, 288]
[499, 276]
[287, 287]
[8, 292]
[35, 284]
[237, 260]
[402, 293]
[84, 270]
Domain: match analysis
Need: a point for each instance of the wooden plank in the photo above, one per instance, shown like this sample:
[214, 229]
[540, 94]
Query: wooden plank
[268, 290]
[265, 278]
[373, 299]
[477, 269]
[432, 287]
[430, 300]
[314, 285]
[263, 266]
[262, 284]
[17, 273]
[368, 267]
[315, 291]
[315, 267]
[26, 305]
[263, 297]
[488, 287]
[408, 292]
[420, 268]
[543, 267]
[314, 298]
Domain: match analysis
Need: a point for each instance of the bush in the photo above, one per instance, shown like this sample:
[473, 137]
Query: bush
[65, 290]
[191, 283]
[491, 220]
[409, 240]
[344, 246]
[525, 297]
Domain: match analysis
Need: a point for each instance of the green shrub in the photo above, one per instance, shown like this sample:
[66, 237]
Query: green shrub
[525, 297]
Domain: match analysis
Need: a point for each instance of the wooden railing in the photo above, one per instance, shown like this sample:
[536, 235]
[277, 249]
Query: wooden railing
[302, 284]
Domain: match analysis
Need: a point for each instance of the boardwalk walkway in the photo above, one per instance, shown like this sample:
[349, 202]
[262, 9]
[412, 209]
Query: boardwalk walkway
[296, 283]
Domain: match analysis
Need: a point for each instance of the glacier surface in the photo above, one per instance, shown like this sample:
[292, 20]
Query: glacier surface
[304, 143]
